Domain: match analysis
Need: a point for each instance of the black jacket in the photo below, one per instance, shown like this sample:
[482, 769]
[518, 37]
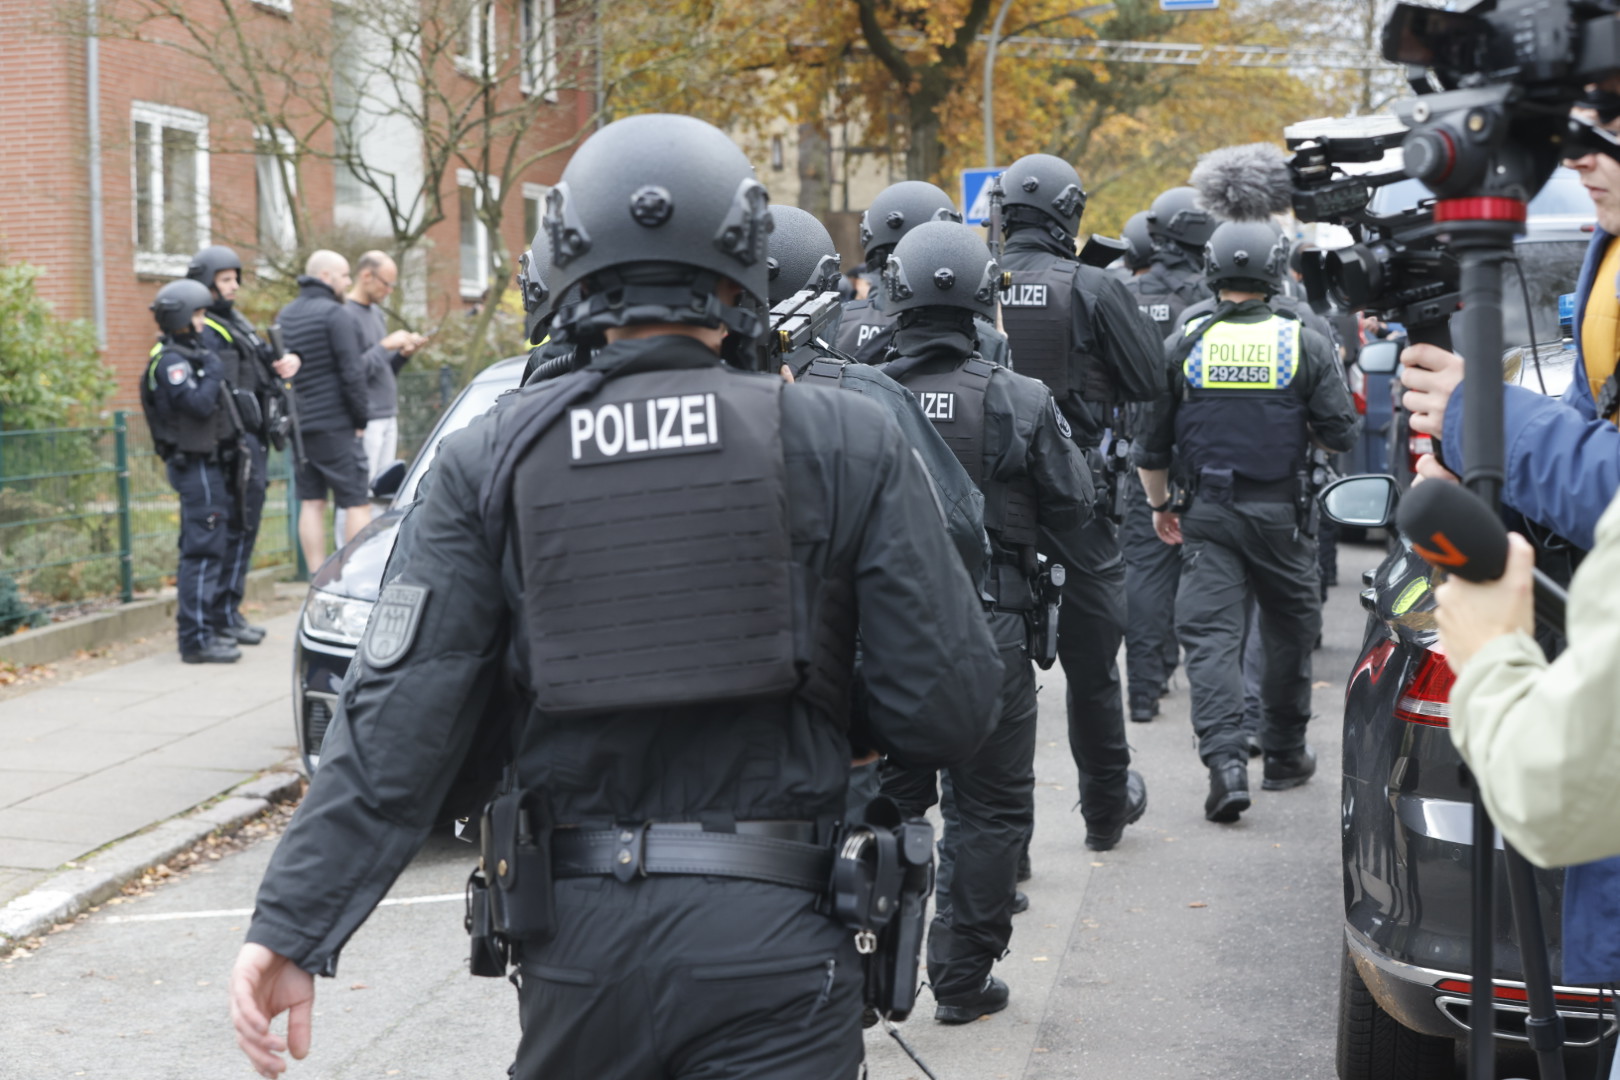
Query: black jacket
[858, 503]
[331, 384]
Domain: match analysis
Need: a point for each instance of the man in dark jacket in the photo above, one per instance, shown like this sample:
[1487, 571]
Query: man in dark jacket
[673, 701]
[333, 403]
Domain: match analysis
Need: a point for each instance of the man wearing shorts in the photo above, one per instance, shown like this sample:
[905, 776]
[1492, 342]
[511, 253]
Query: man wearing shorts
[332, 403]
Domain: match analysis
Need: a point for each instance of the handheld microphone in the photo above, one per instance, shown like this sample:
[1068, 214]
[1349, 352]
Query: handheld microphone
[1244, 183]
[1455, 531]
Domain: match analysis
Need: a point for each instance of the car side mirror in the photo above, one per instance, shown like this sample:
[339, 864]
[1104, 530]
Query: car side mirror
[1366, 501]
[385, 485]
[1379, 357]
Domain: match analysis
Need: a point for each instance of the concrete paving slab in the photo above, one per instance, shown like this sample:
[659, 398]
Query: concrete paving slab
[141, 793]
[15, 882]
[75, 749]
[81, 700]
[18, 784]
[250, 743]
[23, 854]
[92, 829]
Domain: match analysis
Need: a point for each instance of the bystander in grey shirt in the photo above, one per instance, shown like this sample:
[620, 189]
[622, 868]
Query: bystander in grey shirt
[382, 390]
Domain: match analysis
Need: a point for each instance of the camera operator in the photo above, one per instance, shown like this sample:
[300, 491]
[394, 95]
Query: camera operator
[1543, 739]
[1563, 456]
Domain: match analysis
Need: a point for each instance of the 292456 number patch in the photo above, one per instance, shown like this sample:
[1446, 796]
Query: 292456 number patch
[1238, 373]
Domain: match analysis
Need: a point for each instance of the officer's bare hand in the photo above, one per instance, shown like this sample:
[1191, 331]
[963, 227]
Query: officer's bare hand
[1472, 615]
[288, 365]
[1168, 526]
[1431, 374]
[264, 985]
[1428, 468]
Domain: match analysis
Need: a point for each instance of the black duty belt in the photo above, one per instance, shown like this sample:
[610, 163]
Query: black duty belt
[779, 852]
[1268, 491]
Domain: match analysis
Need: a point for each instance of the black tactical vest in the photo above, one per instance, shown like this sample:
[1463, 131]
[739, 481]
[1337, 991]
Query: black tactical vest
[865, 331]
[653, 541]
[954, 401]
[1239, 409]
[1157, 299]
[174, 431]
[1038, 313]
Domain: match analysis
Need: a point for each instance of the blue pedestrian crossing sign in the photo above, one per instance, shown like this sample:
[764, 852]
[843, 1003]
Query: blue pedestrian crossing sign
[1189, 5]
[976, 194]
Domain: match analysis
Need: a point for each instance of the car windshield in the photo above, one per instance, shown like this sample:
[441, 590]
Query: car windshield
[1563, 196]
[1550, 268]
[473, 402]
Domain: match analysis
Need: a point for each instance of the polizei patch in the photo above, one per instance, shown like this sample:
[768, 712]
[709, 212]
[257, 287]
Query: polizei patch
[937, 405]
[1024, 295]
[394, 623]
[649, 427]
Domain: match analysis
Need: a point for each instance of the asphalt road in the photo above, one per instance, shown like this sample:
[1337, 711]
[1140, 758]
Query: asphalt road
[1190, 951]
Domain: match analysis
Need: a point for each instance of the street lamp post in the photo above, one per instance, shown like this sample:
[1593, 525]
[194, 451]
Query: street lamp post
[989, 105]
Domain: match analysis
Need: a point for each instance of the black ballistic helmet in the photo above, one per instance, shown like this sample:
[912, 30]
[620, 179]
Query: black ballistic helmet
[1138, 242]
[650, 214]
[941, 264]
[802, 254]
[176, 302]
[1178, 217]
[1047, 185]
[210, 261]
[897, 210]
[531, 281]
[1246, 255]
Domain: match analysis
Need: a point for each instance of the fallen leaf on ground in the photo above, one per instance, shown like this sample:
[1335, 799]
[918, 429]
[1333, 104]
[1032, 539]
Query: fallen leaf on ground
[1198, 903]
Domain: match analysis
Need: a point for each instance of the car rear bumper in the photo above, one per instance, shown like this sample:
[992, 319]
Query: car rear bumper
[1414, 996]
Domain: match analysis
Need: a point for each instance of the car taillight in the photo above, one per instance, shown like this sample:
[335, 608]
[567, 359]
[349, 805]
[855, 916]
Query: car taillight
[1416, 447]
[1425, 699]
[1358, 389]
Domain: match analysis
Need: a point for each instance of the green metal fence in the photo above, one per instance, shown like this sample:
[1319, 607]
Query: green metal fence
[87, 512]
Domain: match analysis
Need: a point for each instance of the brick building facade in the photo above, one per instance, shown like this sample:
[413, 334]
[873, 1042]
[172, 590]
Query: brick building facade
[182, 166]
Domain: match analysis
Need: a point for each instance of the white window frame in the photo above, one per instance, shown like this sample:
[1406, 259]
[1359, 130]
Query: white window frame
[534, 193]
[539, 52]
[471, 62]
[283, 6]
[157, 117]
[474, 288]
[284, 195]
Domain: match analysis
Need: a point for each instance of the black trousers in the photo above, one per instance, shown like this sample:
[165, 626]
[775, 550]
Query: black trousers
[1230, 552]
[204, 507]
[1152, 572]
[241, 534]
[1091, 625]
[693, 978]
[993, 804]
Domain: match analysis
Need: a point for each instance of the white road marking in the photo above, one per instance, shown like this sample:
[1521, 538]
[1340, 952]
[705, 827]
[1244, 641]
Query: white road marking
[230, 913]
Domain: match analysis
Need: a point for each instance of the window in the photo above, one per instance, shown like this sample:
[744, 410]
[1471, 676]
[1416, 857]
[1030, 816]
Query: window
[276, 5]
[539, 47]
[534, 206]
[169, 157]
[278, 186]
[474, 235]
[475, 46]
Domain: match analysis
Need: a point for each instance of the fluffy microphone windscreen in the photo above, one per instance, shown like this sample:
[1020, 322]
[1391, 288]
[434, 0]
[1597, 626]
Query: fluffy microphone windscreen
[1244, 183]
[1453, 529]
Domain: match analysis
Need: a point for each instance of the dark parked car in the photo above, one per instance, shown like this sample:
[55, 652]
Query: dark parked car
[1370, 377]
[344, 589]
[1407, 844]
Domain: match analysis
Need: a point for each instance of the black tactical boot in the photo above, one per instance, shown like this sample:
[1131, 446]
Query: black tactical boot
[1020, 902]
[966, 1008]
[1135, 807]
[1143, 711]
[1255, 749]
[213, 651]
[1228, 790]
[1284, 771]
[241, 632]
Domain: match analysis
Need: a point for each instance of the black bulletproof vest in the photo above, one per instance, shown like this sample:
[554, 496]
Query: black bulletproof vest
[954, 401]
[171, 429]
[1038, 313]
[1158, 299]
[1259, 434]
[865, 331]
[653, 542]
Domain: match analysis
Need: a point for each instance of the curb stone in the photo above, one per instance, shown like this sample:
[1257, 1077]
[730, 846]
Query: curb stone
[66, 895]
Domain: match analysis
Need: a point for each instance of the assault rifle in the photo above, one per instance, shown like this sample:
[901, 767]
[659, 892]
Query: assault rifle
[801, 319]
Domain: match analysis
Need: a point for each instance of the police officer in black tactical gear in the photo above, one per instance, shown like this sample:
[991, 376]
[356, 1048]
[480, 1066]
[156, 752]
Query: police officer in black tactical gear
[253, 374]
[1246, 391]
[1078, 330]
[668, 558]
[1011, 439]
[897, 210]
[1179, 226]
[183, 396]
[1138, 246]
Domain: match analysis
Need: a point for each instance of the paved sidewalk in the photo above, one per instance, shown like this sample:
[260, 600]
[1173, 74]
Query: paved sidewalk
[90, 761]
